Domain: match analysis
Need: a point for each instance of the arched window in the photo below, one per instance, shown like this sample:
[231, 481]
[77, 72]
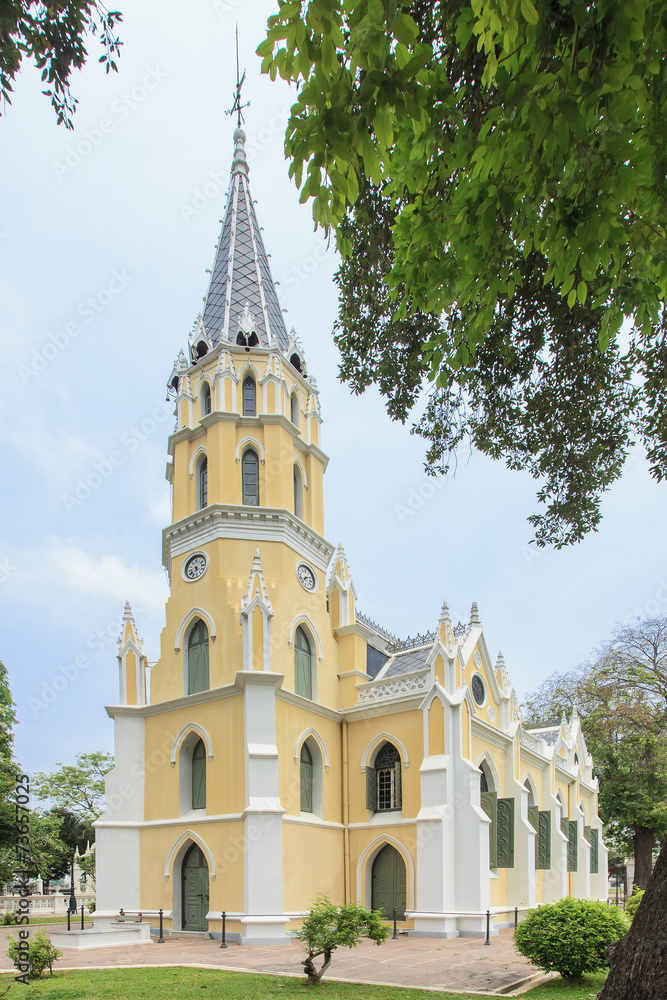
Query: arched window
[298, 492]
[249, 397]
[198, 658]
[202, 483]
[306, 774]
[250, 474]
[294, 409]
[199, 776]
[303, 670]
[383, 780]
[295, 361]
[205, 399]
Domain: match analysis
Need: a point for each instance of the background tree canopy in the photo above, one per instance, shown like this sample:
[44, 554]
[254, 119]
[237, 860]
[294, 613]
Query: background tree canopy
[495, 173]
[622, 699]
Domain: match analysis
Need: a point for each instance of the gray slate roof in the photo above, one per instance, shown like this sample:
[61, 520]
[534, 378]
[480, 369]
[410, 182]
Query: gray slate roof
[549, 735]
[404, 663]
[241, 272]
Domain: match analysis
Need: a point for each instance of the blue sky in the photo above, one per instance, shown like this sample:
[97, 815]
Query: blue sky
[105, 237]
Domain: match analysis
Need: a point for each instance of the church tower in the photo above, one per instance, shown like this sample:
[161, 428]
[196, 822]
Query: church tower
[284, 745]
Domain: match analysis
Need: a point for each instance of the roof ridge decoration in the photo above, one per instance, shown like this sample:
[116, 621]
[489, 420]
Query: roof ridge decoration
[241, 304]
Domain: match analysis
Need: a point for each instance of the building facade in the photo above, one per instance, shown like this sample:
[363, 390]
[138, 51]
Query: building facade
[287, 746]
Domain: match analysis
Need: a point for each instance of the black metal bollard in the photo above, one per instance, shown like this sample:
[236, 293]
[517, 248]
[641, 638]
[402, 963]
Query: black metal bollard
[488, 927]
[69, 917]
[223, 943]
[394, 936]
[516, 917]
[160, 940]
[83, 910]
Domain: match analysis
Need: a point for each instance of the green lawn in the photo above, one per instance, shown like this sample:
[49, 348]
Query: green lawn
[180, 984]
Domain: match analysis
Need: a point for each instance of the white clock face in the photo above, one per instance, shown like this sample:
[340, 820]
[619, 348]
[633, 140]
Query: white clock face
[306, 577]
[195, 567]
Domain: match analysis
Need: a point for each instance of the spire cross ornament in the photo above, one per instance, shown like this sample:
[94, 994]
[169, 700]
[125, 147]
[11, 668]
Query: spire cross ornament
[237, 106]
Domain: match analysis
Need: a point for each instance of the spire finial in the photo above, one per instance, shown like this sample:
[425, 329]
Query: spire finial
[474, 614]
[237, 106]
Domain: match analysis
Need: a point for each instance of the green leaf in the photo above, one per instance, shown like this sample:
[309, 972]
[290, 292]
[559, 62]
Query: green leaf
[529, 12]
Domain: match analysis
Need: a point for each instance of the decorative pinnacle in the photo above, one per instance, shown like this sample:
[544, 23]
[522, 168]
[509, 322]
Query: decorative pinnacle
[444, 613]
[500, 662]
[474, 614]
[127, 613]
[575, 713]
[563, 719]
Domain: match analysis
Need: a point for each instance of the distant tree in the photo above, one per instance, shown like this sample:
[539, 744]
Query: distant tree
[53, 35]
[328, 927]
[76, 788]
[622, 699]
[8, 771]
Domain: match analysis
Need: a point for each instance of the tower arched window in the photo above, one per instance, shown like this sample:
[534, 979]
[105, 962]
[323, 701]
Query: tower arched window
[294, 409]
[249, 397]
[205, 399]
[383, 780]
[306, 776]
[298, 491]
[250, 477]
[198, 675]
[303, 664]
[199, 776]
[202, 483]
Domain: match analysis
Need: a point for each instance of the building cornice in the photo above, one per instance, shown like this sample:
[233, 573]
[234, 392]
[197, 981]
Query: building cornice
[310, 706]
[383, 707]
[257, 524]
[490, 733]
[187, 701]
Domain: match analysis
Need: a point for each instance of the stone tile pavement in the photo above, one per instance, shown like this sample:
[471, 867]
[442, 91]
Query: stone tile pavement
[458, 965]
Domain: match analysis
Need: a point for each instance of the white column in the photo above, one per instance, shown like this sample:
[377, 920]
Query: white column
[264, 919]
[435, 896]
[117, 845]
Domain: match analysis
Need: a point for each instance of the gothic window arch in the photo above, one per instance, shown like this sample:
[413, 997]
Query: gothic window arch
[250, 477]
[205, 399]
[249, 397]
[384, 780]
[306, 778]
[197, 667]
[294, 409]
[202, 483]
[303, 664]
[298, 490]
[192, 760]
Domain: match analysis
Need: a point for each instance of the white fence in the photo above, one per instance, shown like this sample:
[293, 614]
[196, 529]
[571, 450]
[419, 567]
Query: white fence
[46, 905]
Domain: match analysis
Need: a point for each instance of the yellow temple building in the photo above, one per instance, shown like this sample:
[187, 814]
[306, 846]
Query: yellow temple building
[288, 746]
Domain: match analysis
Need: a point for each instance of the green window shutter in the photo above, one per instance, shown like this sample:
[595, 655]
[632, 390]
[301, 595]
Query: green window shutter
[371, 789]
[544, 839]
[533, 819]
[198, 675]
[250, 478]
[303, 679]
[565, 826]
[398, 790]
[572, 845]
[199, 776]
[505, 849]
[489, 802]
[595, 851]
[306, 775]
[587, 833]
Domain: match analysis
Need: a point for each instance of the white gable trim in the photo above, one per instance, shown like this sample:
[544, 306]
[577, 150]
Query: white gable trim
[380, 738]
[188, 728]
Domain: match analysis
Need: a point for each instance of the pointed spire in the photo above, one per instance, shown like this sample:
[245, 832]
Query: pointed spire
[127, 613]
[500, 662]
[474, 614]
[241, 282]
[563, 719]
[575, 714]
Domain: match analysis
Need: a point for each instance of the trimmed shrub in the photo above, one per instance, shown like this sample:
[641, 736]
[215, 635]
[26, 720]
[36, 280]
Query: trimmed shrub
[41, 955]
[632, 903]
[569, 936]
[9, 917]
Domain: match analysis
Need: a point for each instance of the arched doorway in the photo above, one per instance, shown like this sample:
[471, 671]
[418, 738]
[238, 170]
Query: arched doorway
[194, 880]
[389, 883]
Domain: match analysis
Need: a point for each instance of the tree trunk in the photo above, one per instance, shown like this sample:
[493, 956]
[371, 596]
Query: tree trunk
[309, 965]
[639, 961]
[644, 843]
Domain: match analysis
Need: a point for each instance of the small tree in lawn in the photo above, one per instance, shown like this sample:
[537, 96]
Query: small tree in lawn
[328, 927]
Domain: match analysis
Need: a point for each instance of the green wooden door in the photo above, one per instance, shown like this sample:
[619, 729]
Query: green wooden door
[389, 883]
[195, 890]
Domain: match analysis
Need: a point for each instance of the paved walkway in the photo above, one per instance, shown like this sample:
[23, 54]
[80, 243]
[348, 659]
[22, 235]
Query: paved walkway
[461, 964]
